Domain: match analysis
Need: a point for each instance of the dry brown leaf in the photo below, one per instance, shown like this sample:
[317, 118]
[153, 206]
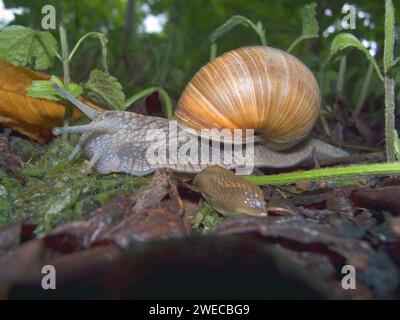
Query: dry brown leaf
[33, 117]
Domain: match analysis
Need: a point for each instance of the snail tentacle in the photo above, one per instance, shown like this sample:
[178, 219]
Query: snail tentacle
[92, 127]
[89, 112]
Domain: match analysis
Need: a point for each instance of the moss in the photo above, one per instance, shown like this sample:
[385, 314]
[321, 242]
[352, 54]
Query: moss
[57, 190]
[206, 219]
[54, 160]
[9, 189]
[25, 148]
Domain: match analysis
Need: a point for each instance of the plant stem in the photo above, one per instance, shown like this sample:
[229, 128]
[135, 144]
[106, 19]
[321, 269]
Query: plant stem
[327, 173]
[231, 23]
[341, 75]
[389, 81]
[146, 92]
[388, 56]
[390, 119]
[321, 78]
[263, 41]
[64, 55]
[66, 76]
[165, 64]
[364, 90]
[213, 51]
[259, 31]
[294, 44]
[103, 41]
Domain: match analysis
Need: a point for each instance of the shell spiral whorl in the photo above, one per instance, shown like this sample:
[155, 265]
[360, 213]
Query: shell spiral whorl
[260, 88]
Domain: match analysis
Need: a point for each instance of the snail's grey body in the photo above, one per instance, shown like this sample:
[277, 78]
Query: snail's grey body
[117, 141]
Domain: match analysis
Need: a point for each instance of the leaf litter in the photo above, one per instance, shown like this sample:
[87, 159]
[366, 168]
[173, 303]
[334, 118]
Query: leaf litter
[161, 235]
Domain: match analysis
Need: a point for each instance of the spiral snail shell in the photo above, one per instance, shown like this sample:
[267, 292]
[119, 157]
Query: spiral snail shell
[260, 88]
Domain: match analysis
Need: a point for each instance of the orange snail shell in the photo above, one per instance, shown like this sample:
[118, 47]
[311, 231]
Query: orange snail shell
[260, 88]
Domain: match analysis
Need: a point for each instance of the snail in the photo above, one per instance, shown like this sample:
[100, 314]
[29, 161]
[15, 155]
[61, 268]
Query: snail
[259, 87]
[228, 193]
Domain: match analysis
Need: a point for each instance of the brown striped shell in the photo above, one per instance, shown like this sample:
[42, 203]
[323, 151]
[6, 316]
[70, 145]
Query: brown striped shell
[260, 88]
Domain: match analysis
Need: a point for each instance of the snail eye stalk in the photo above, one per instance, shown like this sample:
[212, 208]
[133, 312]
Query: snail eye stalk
[89, 112]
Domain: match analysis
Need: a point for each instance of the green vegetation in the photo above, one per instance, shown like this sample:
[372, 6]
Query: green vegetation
[9, 189]
[57, 190]
[345, 41]
[206, 219]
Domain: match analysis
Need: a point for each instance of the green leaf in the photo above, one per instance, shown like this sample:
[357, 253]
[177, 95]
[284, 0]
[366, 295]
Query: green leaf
[310, 26]
[343, 43]
[105, 90]
[44, 89]
[309, 22]
[24, 46]
[236, 21]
